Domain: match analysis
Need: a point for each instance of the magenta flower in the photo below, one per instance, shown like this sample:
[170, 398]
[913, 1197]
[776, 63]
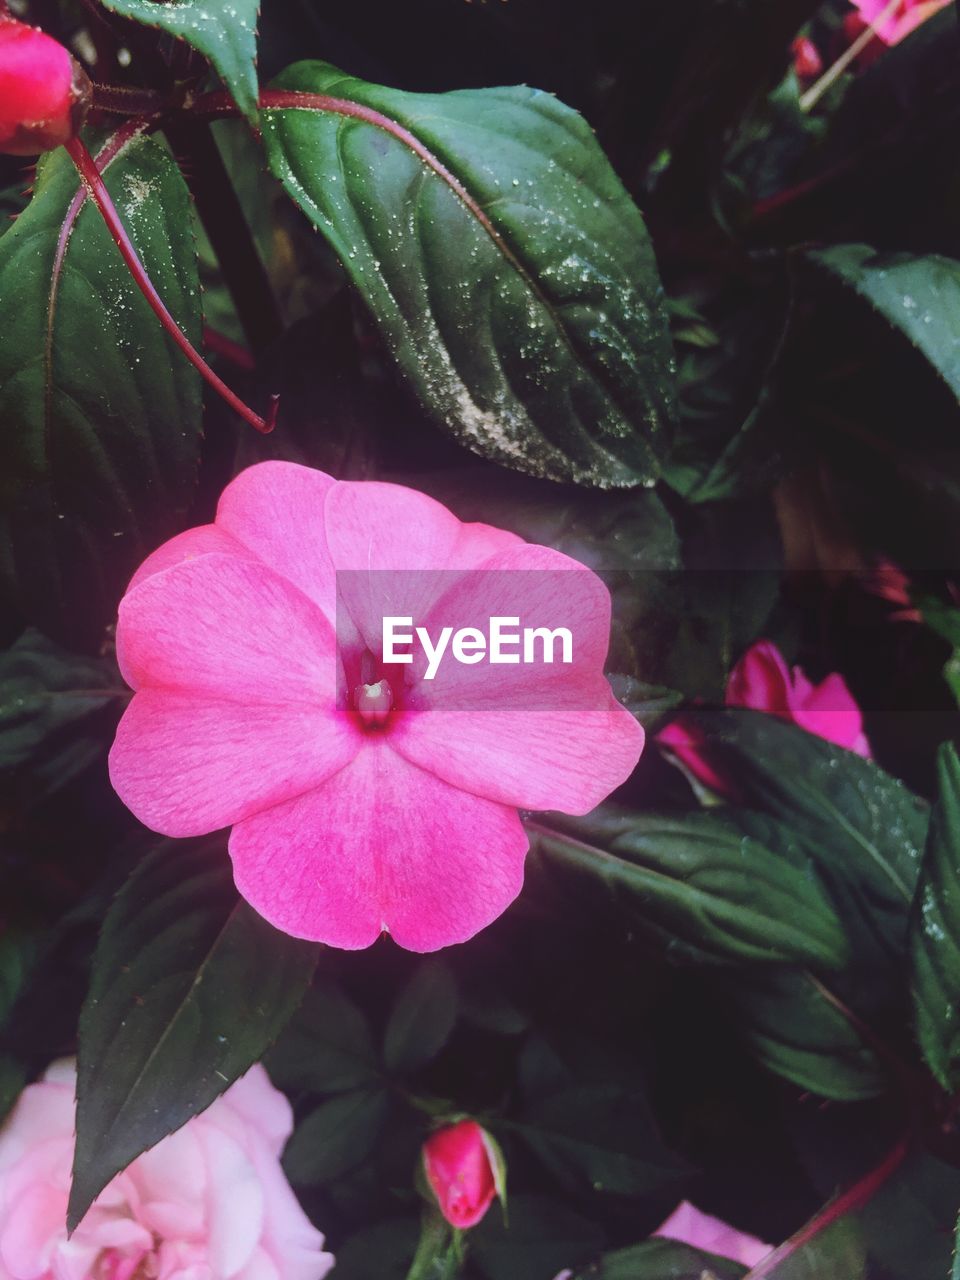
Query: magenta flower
[363, 797]
[892, 27]
[763, 681]
[44, 93]
[461, 1162]
[701, 1231]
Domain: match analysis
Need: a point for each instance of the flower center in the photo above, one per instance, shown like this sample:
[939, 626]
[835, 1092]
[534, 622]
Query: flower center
[117, 1264]
[373, 702]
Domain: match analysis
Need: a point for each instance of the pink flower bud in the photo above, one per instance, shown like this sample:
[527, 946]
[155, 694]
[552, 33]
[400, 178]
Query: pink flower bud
[806, 59]
[44, 92]
[465, 1170]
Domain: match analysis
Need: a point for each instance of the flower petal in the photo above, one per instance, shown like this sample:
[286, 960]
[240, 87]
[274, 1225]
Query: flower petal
[539, 735]
[229, 628]
[205, 540]
[187, 764]
[394, 550]
[761, 680]
[565, 760]
[381, 846]
[276, 511]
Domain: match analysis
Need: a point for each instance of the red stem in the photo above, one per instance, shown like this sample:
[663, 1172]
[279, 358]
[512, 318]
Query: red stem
[853, 1198]
[92, 180]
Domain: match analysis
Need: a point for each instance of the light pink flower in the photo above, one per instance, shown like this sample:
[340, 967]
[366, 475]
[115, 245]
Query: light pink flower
[762, 681]
[209, 1202]
[906, 17]
[363, 798]
[460, 1162]
[699, 1230]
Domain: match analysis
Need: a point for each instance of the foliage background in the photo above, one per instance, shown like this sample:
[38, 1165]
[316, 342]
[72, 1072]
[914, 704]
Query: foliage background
[643, 1026]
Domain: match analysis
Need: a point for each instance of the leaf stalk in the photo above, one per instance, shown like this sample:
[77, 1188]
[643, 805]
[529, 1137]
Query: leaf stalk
[97, 190]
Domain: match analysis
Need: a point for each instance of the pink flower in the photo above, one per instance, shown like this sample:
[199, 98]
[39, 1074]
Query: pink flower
[463, 1164]
[762, 680]
[364, 797]
[894, 26]
[210, 1202]
[807, 62]
[688, 1225]
[43, 91]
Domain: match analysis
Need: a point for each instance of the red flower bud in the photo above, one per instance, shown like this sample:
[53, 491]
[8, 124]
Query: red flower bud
[44, 92]
[464, 1167]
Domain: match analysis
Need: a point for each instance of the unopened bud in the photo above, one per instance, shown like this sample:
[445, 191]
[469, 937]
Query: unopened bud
[465, 1170]
[44, 92]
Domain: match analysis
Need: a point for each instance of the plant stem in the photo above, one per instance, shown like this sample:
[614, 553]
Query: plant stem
[225, 223]
[123, 100]
[850, 1201]
[96, 188]
[833, 73]
[437, 1256]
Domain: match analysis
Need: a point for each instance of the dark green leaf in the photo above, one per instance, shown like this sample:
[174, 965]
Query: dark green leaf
[661, 1260]
[336, 1137]
[509, 271]
[422, 1018]
[836, 1253]
[101, 412]
[909, 1224]
[12, 1080]
[47, 696]
[326, 1047]
[863, 829]
[189, 988]
[917, 295]
[600, 1137]
[955, 1268]
[944, 619]
[17, 953]
[380, 1252]
[935, 931]
[650, 703]
[705, 884]
[226, 35]
[541, 1238]
[799, 1033]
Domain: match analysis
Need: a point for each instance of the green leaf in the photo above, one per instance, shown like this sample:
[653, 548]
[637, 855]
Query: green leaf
[422, 1018]
[542, 1237]
[704, 884]
[944, 620]
[12, 1081]
[379, 1252]
[336, 1137]
[661, 1260]
[651, 704]
[918, 295]
[17, 955]
[509, 271]
[327, 1047]
[863, 829]
[935, 931]
[189, 988]
[101, 412]
[225, 34]
[49, 697]
[955, 1268]
[799, 1033]
[836, 1253]
[599, 1137]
